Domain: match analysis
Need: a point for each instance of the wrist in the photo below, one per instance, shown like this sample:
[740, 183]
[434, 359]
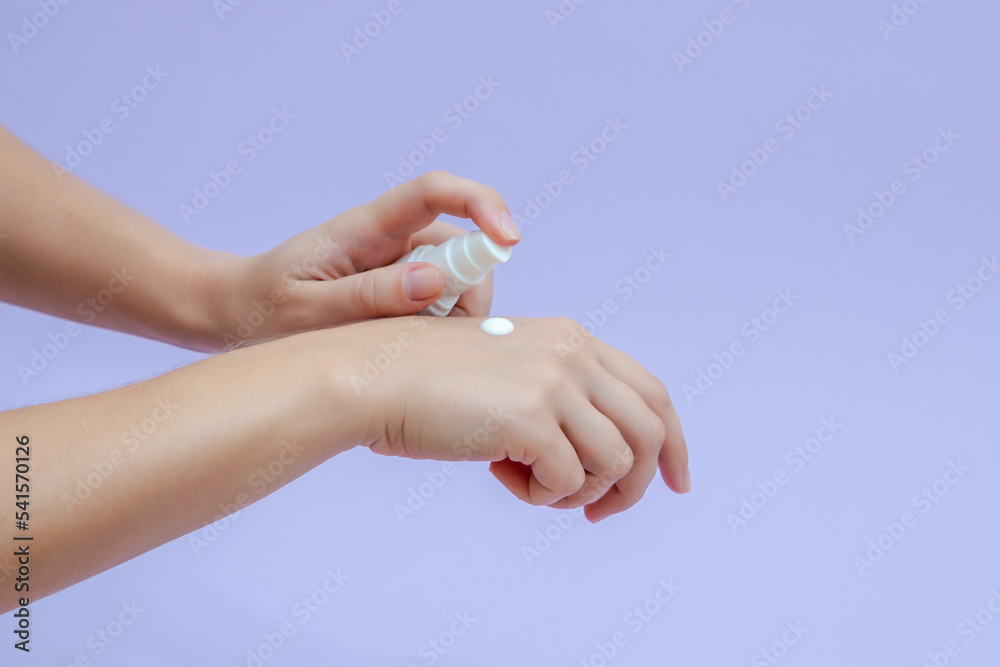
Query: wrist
[329, 361]
[209, 287]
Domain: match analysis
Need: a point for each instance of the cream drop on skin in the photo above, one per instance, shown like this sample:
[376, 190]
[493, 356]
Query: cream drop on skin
[497, 326]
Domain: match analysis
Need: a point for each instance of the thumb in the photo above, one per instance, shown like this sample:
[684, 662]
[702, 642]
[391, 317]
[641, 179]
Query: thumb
[390, 291]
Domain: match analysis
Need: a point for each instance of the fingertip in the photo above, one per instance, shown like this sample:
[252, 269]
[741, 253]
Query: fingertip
[514, 477]
[679, 482]
[508, 229]
[539, 494]
[599, 510]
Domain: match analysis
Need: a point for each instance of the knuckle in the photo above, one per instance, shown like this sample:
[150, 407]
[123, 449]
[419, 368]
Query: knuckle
[537, 499]
[563, 504]
[575, 480]
[531, 406]
[551, 434]
[561, 323]
[657, 432]
[492, 194]
[565, 336]
[365, 295]
[432, 180]
[627, 499]
[661, 397]
[297, 312]
[592, 491]
[430, 187]
[437, 174]
[623, 462]
[681, 457]
[615, 469]
[550, 380]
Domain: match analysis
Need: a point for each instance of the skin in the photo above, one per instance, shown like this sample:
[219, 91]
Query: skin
[564, 419]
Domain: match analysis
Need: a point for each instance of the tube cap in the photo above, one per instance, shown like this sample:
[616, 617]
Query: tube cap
[479, 255]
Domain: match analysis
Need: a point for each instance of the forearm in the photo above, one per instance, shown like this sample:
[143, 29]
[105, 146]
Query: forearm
[72, 251]
[116, 474]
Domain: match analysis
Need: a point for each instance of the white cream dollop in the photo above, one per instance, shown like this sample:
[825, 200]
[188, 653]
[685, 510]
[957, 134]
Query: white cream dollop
[497, 326]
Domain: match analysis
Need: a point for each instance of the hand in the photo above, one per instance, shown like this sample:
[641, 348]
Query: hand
[565, 419]
[342, 271]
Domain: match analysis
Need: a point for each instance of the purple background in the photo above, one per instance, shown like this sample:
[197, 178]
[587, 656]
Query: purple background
[654, 186]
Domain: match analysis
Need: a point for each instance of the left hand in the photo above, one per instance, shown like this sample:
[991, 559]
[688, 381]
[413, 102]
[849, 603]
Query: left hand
[342, 271]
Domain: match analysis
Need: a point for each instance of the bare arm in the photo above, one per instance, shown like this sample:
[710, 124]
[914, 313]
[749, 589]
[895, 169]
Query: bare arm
[116, 474]
[586, 427]
[72, 251]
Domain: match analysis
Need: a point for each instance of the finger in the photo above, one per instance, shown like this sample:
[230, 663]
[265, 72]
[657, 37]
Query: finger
[513, 475]
[414, 205]
[673, 453]
[437, 233]
[475, 302]
[644, 432]
[602, 451]
[400, 289]
[548, 474]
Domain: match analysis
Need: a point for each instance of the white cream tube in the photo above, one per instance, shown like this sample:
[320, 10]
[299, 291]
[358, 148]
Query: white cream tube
[464, 261]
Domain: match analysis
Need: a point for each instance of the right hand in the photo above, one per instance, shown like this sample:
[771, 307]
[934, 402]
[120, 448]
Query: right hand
[343, 270]
[565, 419]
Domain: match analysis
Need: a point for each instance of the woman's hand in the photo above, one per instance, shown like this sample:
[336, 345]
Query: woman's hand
[565, 419]
[342, 271]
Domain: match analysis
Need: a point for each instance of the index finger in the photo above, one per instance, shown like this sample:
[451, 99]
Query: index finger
[410, 207]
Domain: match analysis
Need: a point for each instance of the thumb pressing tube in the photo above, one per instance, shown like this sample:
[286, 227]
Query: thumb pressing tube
[464, 261]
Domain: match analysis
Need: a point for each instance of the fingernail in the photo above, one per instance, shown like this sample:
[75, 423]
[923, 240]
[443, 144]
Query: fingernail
[422, 283]
[508, 227]
[686, 485]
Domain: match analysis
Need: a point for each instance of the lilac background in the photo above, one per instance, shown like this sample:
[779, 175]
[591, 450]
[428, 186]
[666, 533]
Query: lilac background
[464, 550]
